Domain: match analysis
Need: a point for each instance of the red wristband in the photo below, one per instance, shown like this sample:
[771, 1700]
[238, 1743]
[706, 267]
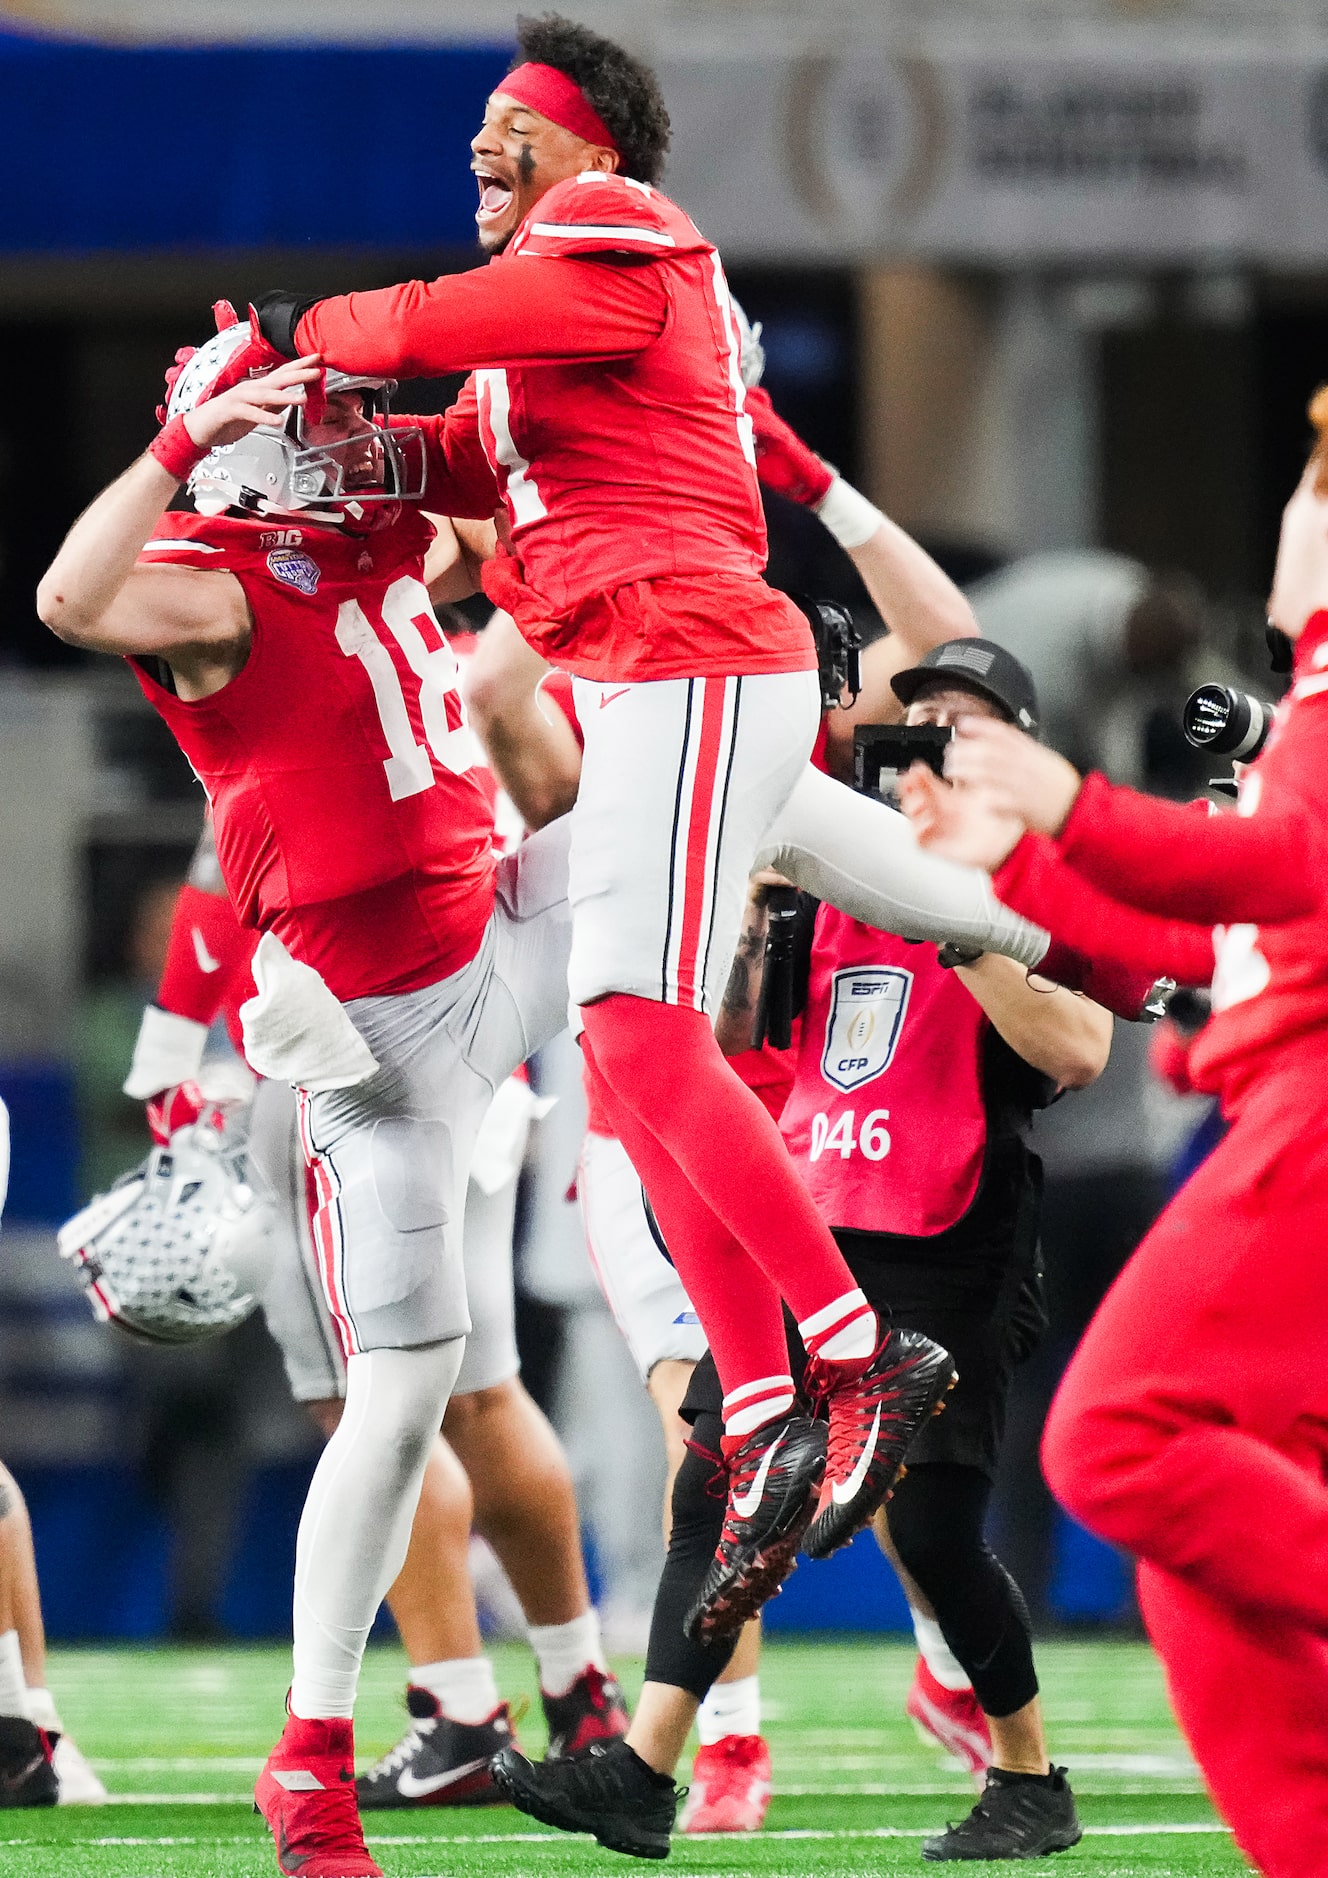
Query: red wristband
[176, 450]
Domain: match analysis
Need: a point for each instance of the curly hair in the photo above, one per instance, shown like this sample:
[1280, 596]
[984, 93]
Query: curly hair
[623, 90]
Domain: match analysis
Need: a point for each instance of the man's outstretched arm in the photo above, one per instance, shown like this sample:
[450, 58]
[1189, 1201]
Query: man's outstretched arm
[531, 310]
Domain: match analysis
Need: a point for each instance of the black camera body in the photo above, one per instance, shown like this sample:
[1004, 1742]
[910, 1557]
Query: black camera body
[882, 753]
[838, 645]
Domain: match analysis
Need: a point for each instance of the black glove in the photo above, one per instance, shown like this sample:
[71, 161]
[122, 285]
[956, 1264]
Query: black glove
[279, 313]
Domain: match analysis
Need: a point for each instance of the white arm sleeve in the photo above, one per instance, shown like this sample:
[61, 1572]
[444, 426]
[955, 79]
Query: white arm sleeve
[862, 857]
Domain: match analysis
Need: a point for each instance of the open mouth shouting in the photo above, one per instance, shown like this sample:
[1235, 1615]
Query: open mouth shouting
[496, 198]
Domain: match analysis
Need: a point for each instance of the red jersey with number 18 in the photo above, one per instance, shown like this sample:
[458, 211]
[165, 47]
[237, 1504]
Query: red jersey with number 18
[348, 794]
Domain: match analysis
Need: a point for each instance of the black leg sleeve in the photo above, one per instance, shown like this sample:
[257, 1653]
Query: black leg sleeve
[936, 1522]
[700, 1492]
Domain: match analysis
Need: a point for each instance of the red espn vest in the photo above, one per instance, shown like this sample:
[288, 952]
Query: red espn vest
[886, 1118]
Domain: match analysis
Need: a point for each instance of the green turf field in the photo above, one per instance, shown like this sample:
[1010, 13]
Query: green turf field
[178, 1736]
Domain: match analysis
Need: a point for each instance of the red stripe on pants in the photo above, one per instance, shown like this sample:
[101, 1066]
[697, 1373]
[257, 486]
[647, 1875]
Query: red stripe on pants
[694, 899]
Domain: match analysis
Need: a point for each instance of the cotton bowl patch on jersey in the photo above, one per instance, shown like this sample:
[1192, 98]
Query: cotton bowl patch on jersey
[867, 1006]
[300, 571]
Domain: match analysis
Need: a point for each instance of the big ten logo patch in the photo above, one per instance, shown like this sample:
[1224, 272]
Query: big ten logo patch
[867, 1008]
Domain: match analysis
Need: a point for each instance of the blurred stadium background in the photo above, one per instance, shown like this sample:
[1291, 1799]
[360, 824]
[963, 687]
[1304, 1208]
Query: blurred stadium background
[1036, 274]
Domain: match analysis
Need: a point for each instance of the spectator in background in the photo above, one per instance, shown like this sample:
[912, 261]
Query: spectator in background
[1108, 642]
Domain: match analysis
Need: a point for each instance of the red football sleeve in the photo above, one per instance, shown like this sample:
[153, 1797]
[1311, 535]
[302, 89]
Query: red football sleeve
[1037, 882]
[460, 478]
[549, 311]
[207, 950]
[1263, 868]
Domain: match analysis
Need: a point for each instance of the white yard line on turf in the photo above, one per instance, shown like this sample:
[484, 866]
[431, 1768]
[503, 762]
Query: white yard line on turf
[797, 1832]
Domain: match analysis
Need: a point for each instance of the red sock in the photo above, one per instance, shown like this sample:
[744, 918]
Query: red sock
[749, 1346]
[662, 1065]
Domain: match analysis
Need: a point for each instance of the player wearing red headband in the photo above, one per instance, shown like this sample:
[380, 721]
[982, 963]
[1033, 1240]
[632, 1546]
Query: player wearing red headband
[607, 394]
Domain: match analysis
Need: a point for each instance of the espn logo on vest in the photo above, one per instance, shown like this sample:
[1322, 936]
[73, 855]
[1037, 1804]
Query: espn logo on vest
[867, 1009]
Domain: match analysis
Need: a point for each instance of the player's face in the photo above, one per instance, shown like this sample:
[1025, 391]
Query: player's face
[518, 155]
[343, 420]
[1300, 578]
[946, 707]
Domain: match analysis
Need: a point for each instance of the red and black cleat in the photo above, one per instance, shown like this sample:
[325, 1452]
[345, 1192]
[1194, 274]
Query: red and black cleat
[306, 1793]
[875, 1411]
[773, 1480]
[593, 1709]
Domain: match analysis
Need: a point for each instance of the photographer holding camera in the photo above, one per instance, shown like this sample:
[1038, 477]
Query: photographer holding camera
[1192, 1425]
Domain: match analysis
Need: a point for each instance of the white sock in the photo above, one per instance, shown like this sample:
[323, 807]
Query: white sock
[731, 1708]
[465, 1687]
[566, 1651]
[13, 1689]
[356, 1523]
[841, 1332]
[42, 1711]
[937, 1654]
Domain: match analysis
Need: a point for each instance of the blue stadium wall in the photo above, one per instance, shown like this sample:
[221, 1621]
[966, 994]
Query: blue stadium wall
[142, 148]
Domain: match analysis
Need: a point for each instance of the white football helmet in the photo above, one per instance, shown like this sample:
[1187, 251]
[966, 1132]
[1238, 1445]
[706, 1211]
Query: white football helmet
[275, 470]
[180, 1248]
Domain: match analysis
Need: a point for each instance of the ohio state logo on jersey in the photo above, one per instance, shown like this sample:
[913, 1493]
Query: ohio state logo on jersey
[867, 1008]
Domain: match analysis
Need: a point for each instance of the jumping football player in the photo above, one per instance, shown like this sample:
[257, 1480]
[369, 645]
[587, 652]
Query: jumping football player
[608, 397]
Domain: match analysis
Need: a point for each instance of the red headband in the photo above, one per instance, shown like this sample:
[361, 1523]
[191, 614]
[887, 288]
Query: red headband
[559, 98]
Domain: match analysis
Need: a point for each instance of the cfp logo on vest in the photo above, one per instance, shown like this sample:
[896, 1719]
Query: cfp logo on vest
[867, 1006]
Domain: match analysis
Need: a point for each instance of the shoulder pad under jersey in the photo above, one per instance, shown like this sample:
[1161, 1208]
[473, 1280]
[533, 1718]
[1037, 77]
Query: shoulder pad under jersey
[598, 214]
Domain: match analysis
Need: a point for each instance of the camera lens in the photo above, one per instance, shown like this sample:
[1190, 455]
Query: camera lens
[1227, 722]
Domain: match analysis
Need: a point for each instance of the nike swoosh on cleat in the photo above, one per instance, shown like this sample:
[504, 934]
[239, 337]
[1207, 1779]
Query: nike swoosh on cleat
[11, 1783]
[410, 1787]
[206, 962]
[745, 1504]
[842, 1491]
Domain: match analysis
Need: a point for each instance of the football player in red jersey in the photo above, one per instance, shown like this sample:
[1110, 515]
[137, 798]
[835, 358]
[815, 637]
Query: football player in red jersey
[607, 394]
[1191, 1427]
[291, 646]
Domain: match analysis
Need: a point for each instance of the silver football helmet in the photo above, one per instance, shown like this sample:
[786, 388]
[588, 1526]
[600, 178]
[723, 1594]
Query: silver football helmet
[751, 353]
[180, 1248]
[276, 470]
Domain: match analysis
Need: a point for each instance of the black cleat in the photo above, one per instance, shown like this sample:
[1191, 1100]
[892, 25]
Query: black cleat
[773, 1479]
[27, 1776]
[437, 1762]
[1015, 1818]
[593, 1709]
[873, 1418]
[608, 1791]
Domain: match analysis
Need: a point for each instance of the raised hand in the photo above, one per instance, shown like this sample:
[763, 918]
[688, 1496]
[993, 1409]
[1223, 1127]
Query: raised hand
[963, 824]
[783, 461]
[1019, 776]
[235, 411]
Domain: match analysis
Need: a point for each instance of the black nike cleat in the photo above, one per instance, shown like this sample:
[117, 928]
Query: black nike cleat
[874, 1415]
[27, 1776]
[1015, 1818]
[437, 1762]
[607, 1791]
[773, 1478]
[593, 1709]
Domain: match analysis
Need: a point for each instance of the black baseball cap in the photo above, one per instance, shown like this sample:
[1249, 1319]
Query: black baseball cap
[976, 665]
